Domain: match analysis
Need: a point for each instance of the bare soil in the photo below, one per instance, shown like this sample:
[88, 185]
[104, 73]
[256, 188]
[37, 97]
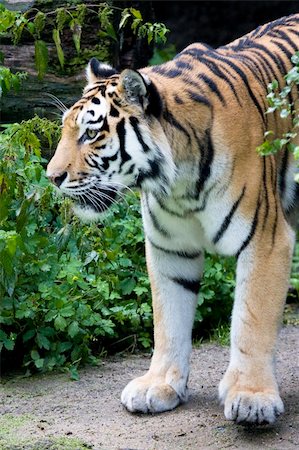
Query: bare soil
[51, 412]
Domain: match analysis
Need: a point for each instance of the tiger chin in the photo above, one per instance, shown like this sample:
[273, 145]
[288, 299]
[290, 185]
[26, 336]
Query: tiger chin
[185, 134]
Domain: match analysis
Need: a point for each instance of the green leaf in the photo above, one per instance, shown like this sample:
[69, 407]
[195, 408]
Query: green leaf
[39, 363]
[39, 23]
[41, 58]
[128, 285]
[73, 372]
[77, 30]
[73, 329]
[124, 18]
[136, 13]
[61, 18]
[28, 335]
[42, 341]
[57, 41]
[34, 355]
[60, 323]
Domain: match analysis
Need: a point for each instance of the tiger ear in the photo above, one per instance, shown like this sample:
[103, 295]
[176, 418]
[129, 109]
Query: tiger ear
[97, 70]
[133, 85]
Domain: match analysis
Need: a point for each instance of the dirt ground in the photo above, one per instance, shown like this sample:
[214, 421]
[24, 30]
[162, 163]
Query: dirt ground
[51, 412]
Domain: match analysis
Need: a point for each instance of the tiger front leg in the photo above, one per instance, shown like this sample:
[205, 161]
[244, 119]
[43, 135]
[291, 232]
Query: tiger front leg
[249, 389]
[175, 277]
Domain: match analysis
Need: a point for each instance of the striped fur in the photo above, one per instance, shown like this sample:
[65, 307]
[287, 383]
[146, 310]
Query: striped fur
[185, 133]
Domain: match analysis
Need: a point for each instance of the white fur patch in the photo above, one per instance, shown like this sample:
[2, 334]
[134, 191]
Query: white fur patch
[87, 214]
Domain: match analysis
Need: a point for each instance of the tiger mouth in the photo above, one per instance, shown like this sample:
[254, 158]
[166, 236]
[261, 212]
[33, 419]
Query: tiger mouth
[98, 202]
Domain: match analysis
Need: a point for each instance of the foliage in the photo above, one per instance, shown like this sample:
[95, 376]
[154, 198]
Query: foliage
[295, 269]
[72, 18]
[279, 101]
[9, 80]
[152, 31]
[58, 286]
[162, 54]
[216, 294]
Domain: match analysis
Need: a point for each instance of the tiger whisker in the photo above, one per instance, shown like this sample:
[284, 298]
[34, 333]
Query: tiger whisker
[57, 102]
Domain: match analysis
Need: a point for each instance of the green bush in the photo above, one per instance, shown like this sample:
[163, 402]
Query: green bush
[64, 286]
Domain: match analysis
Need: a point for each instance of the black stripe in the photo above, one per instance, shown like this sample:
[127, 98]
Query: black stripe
[295, 32]
[169, 73]
[206, 197]
[212, 86]
[113, 111]
[252, 230]
[189, 285]
[228, 218]
[198, 98]
[105, 161]
[244, 78]
[154, 171]
[265, 191]
[154, 220]
[274, 56]
[178, 100]
[215, 68]
[169, 211]
[275, 222]
[282, 172]
[262, 60]
[121, 132]
[91, 162]
[95, 100]
[195, 52]
[168, 116]
[189, 82]
[270, 70]
[287, 39]
[134, 123]
[130, 169]
[283, 49]
[183, 64]
[93, 122]
[179, 253]
[206, 159]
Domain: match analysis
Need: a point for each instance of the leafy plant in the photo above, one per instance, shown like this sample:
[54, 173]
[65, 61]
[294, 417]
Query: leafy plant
[71, 18]
[9, 80]
[152, 31]
[216, 294]
[60, 281]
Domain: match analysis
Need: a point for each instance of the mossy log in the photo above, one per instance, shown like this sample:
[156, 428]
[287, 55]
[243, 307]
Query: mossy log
[32, 98]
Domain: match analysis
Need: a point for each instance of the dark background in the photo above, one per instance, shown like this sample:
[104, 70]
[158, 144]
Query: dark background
[217, 22]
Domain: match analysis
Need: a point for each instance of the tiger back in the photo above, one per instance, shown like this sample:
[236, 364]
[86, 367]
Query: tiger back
[185, 134]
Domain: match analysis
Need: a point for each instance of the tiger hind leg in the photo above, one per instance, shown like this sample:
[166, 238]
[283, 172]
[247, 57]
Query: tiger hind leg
[249, 389]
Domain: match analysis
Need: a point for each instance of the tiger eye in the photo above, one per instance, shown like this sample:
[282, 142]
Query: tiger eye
[91, 133]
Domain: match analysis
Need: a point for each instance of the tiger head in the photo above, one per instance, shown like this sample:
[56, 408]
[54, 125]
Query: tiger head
[112, 139]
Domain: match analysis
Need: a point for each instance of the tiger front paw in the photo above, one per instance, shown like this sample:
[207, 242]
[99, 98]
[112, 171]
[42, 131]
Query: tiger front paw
[245, 404]
[149, 395]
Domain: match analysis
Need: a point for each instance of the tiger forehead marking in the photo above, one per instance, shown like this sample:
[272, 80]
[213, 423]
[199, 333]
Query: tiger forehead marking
[94, 113]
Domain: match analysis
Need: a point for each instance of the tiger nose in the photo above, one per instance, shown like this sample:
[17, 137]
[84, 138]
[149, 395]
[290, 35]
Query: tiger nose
[57, 178]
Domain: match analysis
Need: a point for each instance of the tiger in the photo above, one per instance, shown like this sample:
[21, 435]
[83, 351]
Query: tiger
[184, 134]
